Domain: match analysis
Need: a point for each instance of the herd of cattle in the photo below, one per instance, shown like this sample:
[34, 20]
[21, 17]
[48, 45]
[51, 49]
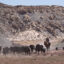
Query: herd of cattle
[23, 49]
[28, 49]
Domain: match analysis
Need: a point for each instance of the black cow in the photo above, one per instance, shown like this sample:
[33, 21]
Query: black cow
[39, 48]
[21, 49]
[5, 50]
[32, 48]
[27, 50]
[56, 48]
[0, 49]
[42, 49]
[15, 49]
[63, 48]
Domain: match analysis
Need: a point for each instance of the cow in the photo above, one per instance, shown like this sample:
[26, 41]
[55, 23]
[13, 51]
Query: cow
[32, 48]
[40, 48]
[63, 48]
[27, 50]
[21, 49]
[56, 48]
[15, 49]
[5, 50]
[0, 48]
[47, 44]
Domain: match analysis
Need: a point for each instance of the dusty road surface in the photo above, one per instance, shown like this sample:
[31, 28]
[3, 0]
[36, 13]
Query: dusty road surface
[31, 59]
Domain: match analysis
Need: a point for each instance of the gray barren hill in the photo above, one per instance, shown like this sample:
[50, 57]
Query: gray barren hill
[32, 24]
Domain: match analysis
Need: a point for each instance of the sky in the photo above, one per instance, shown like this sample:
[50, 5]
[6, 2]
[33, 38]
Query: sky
[33, 2]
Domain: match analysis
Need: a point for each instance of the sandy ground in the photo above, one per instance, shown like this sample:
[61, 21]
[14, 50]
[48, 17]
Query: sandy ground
[32, 59]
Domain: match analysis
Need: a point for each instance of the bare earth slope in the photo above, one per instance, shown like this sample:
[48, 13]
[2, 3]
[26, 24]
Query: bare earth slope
[32, 23]
[32, 59]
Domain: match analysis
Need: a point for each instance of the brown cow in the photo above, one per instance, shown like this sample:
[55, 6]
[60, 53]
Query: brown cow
[47, 43]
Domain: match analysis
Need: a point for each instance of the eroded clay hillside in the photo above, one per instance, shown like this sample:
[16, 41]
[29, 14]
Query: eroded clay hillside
[31, 23]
